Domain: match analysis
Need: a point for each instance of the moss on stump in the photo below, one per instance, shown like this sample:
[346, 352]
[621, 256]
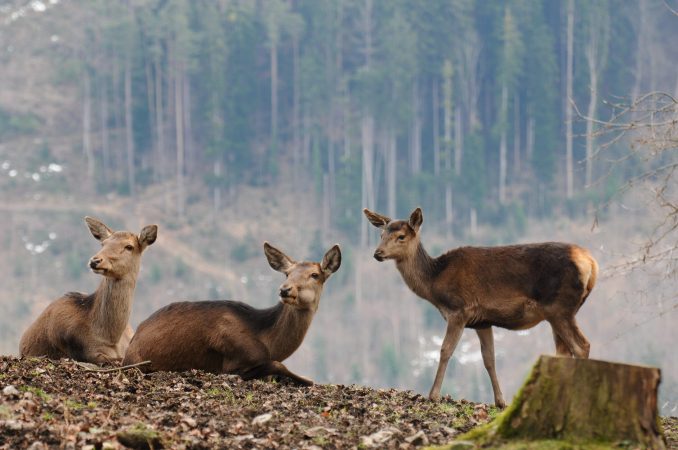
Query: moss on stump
[582, 401]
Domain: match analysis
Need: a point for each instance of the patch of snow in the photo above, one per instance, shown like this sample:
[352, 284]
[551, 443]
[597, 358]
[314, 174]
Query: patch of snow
[13, 173]
[54, 167]
[5, 165]
[38, 6]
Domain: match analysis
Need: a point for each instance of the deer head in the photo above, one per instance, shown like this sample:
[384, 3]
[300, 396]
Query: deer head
[305, 280]
[120, 253]
[399, 238]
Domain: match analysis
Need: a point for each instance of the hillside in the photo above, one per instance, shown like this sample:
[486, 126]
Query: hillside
[61, 403]
[58, 403]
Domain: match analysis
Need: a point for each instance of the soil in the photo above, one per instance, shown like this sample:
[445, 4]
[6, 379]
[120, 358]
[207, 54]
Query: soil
[61, 404]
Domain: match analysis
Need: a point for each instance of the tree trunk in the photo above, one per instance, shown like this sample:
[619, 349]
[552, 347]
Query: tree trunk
[296, 122]
[87, 126]
[103, 130]
[569, 164]
[368, 200]
[160, 130]
[502, 146]
[179, 125]
[591, 112]
[274, 105]
[415, 138]
[458, 141]
[436, 128]
[516, 139]
[129, 130]
[391, 159]
[150, 92]
[582, 400]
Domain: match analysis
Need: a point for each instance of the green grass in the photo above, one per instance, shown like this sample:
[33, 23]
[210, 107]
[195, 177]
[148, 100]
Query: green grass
[221, 393]
[37, 392]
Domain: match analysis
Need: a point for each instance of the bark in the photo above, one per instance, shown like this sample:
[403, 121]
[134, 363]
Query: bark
[569, 164]
[582, 400]
[129, 128]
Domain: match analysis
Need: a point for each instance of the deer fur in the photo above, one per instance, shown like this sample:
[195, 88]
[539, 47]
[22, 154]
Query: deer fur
[513, 287]
[94, 328]
[233, 337]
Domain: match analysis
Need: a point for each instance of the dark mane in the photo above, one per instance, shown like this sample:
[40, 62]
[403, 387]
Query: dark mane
[84, 301]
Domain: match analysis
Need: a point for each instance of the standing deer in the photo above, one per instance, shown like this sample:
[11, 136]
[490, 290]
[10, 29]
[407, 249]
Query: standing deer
[514, 287]
[233, 337]
[94, 328]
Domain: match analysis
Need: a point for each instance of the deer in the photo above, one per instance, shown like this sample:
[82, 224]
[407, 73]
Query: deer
[513, 287]
[94, 327]
[232, 337]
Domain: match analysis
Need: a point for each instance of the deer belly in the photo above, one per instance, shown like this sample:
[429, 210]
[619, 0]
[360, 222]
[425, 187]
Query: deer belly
[513, 314]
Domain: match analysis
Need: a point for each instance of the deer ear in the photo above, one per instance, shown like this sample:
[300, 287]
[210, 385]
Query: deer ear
[97, 228]
[277, 259]
[416, 219]
[376, 219]
[331, 260]
[148, 236]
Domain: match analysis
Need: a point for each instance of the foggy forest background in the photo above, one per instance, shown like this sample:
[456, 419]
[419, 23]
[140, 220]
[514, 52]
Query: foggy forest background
[228, 123]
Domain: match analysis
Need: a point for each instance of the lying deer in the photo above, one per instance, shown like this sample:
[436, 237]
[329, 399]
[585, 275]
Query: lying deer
[513, 287]
[233, 337]
[94, 328]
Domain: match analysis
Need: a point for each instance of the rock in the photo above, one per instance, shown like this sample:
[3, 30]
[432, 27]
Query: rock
[261, 419]
[419, 438]
[378, 438]
[13, 425]
[140, 437]
[10, 390]
[319, 431]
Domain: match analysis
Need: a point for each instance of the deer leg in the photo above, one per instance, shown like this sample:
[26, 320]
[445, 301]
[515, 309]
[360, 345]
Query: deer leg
[274, 368]
[568, 331]
[561, 347]
[486, 338]
[452, 335]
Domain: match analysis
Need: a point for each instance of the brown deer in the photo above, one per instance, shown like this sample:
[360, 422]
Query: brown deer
[514, 287]
[233, 337]
[94, 328]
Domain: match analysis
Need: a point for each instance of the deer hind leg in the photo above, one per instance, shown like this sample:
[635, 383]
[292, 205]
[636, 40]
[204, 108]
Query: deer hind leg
[568, 332]
[562, 348]
[486, 338]
[452, 335]
[274, 368]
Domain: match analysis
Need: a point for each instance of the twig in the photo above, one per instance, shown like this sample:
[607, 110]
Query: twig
[129, 366]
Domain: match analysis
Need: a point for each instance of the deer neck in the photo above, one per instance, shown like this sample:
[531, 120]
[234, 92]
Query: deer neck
[112, 306]
[288, 331]
[417, 271]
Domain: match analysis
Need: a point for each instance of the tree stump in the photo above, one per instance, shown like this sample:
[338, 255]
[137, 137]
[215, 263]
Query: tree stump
[581, 400]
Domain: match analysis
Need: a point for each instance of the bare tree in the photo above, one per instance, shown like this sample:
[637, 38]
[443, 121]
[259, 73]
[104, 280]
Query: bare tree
[647, 130]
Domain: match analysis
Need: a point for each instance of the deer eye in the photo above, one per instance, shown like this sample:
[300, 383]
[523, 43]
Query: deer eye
[129, 247]
[314, 276]
[401, 237]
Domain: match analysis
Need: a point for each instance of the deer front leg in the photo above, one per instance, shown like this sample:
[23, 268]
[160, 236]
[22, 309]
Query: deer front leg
[454, 329]
[486, 338]
[274, 368]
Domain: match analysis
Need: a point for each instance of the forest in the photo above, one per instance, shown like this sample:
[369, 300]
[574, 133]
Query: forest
[195, 113]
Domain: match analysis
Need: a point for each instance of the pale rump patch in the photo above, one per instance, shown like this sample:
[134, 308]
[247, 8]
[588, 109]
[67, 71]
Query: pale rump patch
[587, 266]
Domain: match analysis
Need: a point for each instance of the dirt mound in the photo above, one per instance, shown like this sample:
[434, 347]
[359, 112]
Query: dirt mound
[61, 404]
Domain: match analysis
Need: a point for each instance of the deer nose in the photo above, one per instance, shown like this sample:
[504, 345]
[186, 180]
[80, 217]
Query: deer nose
[285, 291]
[379, 255]
[94, 262]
